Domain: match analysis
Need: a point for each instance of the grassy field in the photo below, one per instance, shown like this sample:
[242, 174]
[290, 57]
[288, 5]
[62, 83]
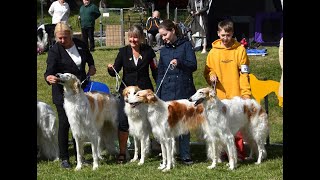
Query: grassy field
[272, 168]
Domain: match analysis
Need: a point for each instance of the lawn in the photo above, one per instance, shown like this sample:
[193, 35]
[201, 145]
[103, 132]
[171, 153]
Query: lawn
[272, 168]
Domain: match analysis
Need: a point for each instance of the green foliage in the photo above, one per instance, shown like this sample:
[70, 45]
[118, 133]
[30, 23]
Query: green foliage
[272, 168]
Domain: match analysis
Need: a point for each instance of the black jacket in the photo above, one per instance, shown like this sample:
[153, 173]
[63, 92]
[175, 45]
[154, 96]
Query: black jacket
[59, 61]
[135, 75]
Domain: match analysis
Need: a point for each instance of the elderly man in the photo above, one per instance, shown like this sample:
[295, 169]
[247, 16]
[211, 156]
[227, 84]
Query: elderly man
[152, 29]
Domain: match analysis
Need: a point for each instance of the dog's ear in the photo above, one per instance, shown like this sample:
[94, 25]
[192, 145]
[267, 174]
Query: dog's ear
[212, 93]
[76, 86]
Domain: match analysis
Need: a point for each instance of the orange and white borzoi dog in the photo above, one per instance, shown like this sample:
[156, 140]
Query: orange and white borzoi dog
[92, 116]
[47, 132]
[225, 118]
[139, 126]
[168, 120]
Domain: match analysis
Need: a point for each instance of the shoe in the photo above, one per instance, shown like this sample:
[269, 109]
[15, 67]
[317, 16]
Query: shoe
[187, 161]
[121, 159]
[65, 164]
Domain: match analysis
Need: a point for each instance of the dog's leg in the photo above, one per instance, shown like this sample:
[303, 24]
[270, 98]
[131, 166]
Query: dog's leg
[232, 153]
[173, 152]
[144, 148]
[168, 149]
[163, 164]
[79, 146]
[136, 148]
[212, 154]
[94, 148]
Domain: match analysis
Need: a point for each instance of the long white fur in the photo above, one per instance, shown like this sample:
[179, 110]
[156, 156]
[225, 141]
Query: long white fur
[225, 118]
[158, 114]
[92, 116]
[139, 126]
[47, 132]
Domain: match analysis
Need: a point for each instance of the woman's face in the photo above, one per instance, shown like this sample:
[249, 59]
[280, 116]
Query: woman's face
[167, 36]
[64, 38]
[134, 41]
[226, 37]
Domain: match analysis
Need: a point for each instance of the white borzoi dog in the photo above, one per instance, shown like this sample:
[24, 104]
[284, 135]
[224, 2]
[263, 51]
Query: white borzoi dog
[139, 126]
[225, 118]
[47, 132]
[168, 120]
[92, 116]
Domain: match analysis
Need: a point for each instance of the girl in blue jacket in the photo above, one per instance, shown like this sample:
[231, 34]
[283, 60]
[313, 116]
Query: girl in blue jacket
[177, 83]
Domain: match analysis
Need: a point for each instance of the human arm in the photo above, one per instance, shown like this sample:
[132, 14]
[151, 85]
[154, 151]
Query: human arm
[117, 65]
[51, 69]
[96, 12]
[209, 73]
[244, 82]
[51, 9]
[189, 63]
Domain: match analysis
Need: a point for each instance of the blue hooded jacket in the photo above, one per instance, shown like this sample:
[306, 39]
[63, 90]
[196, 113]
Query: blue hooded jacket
[177, 83]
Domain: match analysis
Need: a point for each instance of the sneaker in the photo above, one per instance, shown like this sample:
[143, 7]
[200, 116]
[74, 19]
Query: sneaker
[65, 164]
[187, 161]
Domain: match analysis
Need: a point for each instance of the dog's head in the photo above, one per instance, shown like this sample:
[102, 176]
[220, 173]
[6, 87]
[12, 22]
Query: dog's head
[69, 81]
[146, 96]
[202, 94]
[129, 92]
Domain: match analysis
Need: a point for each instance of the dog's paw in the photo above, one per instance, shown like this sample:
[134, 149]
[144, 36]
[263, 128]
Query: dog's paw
[212, 166]
[134, 159]
[162, 166]
[77, 168]
[140, 163]
[95, 167]
[167, 169]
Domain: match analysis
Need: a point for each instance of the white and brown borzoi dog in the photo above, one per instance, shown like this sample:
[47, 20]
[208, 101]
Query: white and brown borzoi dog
[139, 126]
[168, 120]
[92, 116]
[225, 118]
[47, 132]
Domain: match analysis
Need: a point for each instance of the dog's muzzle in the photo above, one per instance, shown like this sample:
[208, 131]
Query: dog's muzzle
[134, 104]
[59, 79]
[199, 101]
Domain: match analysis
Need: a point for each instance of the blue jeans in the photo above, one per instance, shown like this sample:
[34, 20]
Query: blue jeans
[184, 146]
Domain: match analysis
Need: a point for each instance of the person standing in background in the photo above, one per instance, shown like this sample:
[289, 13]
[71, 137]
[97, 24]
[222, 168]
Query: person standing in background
[67, 55]
[60, 11]
[89, 12]
[135, 60]
[177, 83]
[227, 68]
[198, 10]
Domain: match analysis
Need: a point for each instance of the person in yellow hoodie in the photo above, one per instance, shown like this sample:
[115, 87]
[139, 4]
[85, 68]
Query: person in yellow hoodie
[227, 67]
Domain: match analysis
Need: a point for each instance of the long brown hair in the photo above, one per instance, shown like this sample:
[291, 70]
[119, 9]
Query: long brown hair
[168, 25]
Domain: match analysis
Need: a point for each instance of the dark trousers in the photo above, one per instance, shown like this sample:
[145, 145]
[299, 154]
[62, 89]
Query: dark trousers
[88, 33]
[123, 119]
[63, 134]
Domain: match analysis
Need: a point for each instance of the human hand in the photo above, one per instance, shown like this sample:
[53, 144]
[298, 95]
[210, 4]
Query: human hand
[92, 70]
[52, 79]
[213, 78]
[174, 62]
[110, 66]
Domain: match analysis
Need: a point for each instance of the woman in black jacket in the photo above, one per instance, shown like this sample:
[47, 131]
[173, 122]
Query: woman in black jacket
[66, 55]
[135, 59]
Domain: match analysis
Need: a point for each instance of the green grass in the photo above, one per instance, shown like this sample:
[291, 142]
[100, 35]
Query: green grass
[272, 168]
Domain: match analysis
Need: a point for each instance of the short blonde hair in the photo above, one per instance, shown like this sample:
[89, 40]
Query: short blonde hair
[62, 27]
[136, 31]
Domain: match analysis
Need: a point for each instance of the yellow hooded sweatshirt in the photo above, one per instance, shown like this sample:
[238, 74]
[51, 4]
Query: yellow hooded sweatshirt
[225, 64]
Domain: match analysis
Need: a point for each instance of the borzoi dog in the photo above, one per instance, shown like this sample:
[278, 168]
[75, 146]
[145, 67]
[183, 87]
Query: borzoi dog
[225, 118]
[47, 132]
[92, 116]
[139, 126]
[168, 120]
